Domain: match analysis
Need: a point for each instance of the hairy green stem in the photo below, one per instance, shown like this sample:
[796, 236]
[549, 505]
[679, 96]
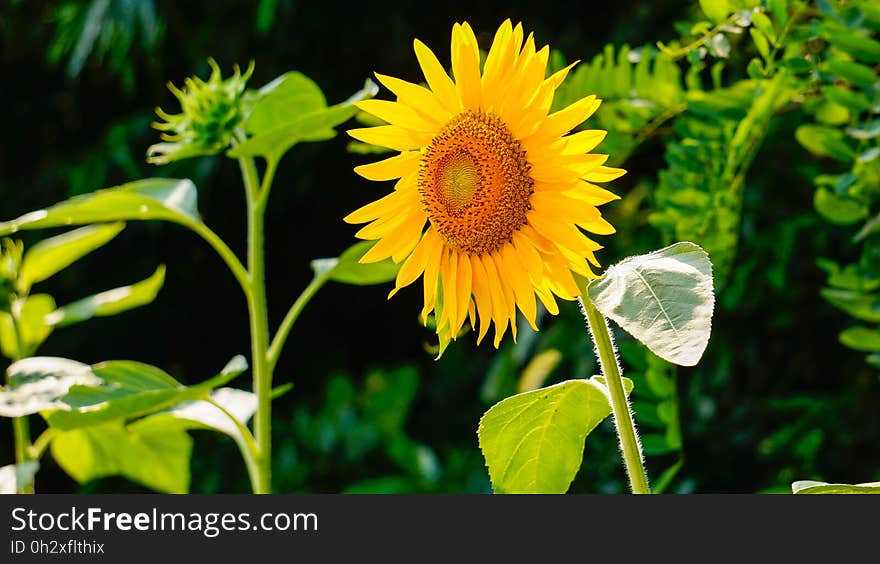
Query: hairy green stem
[257, 308]
[623, 420]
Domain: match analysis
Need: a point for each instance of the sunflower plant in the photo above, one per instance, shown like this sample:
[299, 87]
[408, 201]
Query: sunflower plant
[507, 190]
[129, 418]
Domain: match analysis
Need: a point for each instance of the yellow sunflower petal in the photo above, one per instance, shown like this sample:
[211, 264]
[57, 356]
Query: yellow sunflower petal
[522, 286]
[482, 296]
[415, 265]
[417, 97]
[391, 136]
[592, 194]
[499, 304]
[398, 114]
[561, 122]
[462, 295]
[436, 77]
[466, 65]
[604, 174]
[387, 206]
[391, 168]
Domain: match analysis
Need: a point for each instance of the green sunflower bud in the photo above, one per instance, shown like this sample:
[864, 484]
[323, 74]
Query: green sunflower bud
[210, 113]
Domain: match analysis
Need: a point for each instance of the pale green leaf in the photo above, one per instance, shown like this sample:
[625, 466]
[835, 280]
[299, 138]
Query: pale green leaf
[14, 476]
[861, 75]
[203, 415]
[156, 458]
[155, 198]
[53, 255]
[33, 327]
[36, 384]
[110, 302]
[859, 305]
[861, 339]
[534, 442]
[837, 209]
[665, 299]
[824, 142]
[8, 336]
[811, 487]
[716, 10]
[282, 100]
[348, 270]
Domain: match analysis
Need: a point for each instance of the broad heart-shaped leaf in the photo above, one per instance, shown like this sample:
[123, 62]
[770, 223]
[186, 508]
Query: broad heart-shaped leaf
[13, 476]
[289, 95]
[110, 302]
[534, 442]
[811, 487]
[155, 198]
[53, 255]
[347, 270]
[156, 458]
[278, 127]
[665, 299]
[124, 390]
[35, 384]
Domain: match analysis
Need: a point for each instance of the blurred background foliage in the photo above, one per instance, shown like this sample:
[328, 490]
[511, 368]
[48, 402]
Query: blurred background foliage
[751, 128]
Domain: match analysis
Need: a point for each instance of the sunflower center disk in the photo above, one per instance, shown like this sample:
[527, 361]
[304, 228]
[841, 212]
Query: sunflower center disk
[475, 183]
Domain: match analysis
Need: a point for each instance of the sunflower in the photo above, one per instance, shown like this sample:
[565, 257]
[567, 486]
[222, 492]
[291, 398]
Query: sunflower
[503, 186]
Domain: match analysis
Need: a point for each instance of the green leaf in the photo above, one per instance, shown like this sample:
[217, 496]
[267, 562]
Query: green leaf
[534, 442]
[860, 75]
[275, 137]
[203, 415]
[348, 270]
[854, 101]
[762, 23]
[865, 307]
[859, 46]
[838, 210]
[14, 476]
[665, 299]
[761, 42]
[110, 302]
[716, 10]
[8, 336]
[36, 384]
[53, 255]
[811, 487]
[824, 141]
[33, 327]
[127, 389]
[155, 198]
[155, 457]
[861, 339]
[280, 101]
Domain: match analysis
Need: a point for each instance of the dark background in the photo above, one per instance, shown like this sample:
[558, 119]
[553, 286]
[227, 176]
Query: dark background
[773, 375]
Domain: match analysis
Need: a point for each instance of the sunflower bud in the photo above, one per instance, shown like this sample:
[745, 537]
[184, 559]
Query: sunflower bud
[210, 112]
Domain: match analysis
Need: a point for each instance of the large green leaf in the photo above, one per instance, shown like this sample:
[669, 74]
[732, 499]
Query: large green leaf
[156, 458]
[131, 389]
[110, 302]
[280, 101]
[14, 476]
[534, 442]
[811, 487]
[277, 126]
[53, 255]
[347, 270]
[155, 198]
[37, 383]
[858, 304]
[861, 338]
[665, 299]
[824, 141]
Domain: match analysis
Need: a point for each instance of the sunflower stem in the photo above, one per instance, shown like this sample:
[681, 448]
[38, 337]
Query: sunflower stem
[261, 479]
[623, 419]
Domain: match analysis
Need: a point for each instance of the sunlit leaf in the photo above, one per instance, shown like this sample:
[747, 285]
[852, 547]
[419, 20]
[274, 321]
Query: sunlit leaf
[156, 198]
[665, 299]
[156, 458]
[347, 270]
[811, 487]
[716, 10]
[838, 210]
[861, 339]
[534, 442]
[53, 255]
[110, 302]
[14, 476]
[36, 384]
[33, 328]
